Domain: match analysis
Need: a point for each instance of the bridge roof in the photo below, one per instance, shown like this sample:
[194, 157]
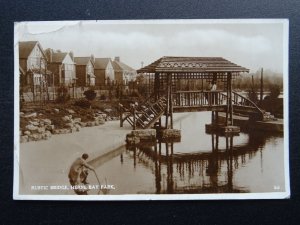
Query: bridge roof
[192, 65]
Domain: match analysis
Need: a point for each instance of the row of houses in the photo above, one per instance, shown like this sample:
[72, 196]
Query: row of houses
[56, 68]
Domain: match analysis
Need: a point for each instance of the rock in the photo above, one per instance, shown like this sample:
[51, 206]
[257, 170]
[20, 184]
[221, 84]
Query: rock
[56, 110]
[34, 123]
[77, 126]
[30, 115]
[46, 135]
[69, 125]
[23, 139]
[73, 129]
[70, 111]
[35, 137]
[49, 127]
[171, 134]
[66, 118]
[41, 130]
[101, 121]
[130, 139]
[56, 131]
[47, 121]
[89, 124]
[77, 120]
[31, 127]
[27, 132]
[83, 124]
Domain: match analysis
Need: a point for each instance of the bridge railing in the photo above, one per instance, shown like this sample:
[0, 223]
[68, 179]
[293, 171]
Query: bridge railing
[198, 98]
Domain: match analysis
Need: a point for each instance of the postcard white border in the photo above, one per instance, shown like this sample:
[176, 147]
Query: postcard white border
[138, 197]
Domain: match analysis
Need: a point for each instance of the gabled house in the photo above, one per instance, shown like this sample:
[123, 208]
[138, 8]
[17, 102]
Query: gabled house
[123, 72]
[85, 71]
[62, 65]
[104, 71]
[32, 65]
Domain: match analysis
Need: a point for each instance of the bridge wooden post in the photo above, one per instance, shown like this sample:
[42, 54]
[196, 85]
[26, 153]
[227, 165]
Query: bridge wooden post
[230, 98]
[171, 101]
[121, 115]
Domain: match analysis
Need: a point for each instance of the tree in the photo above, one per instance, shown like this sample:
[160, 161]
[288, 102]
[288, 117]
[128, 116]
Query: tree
[90, 95]
[275, 91]
[63, 94]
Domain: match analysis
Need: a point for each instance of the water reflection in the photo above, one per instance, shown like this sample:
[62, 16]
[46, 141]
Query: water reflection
[210, 171]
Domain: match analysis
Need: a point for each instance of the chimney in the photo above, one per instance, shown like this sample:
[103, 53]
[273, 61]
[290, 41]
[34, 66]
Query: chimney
[49, 53]
[71, 55]
[117, 58]
[93, 58]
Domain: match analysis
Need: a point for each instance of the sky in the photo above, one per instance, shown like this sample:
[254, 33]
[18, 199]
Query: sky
[249, 43]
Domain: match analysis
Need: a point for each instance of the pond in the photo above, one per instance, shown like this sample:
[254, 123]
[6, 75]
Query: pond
[252, 162]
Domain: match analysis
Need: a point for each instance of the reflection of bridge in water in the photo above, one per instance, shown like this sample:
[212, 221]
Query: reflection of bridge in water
[204, 172]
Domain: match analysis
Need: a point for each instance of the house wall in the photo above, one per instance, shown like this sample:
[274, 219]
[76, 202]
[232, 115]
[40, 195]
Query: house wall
[69, 70]
[36, 59]
[81, 75]
[119, 77]
[56, 71]
[100, 77]
[109, 72]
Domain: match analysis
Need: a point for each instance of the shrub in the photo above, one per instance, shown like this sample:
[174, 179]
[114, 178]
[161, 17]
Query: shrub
[252, 95]
[275, 91]
[83, 103]
[63, 94]
[90, 95]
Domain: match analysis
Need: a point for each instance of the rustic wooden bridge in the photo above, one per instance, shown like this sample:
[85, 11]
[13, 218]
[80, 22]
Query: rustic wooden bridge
[148, 113]
[166, 98]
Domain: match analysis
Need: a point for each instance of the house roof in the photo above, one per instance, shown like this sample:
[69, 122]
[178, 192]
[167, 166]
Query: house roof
[192, 64]
[82, 61]
[22, 71]
[119, 66]
[26, 47]
[58, 57]
[101, 63]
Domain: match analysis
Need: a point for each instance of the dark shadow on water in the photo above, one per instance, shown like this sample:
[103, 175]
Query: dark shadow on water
[204, 172]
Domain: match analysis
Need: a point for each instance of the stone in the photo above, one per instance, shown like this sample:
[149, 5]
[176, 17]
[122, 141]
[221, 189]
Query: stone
[35, 137]
[73, 129]
[130, 139]
[23, 139]
[46, 135]
[34, 114]
[69, 125]
[70, 111]
[49, 127]
[101, 121]
[147, 134]
[77, 126]
[171, 133]
[47, 121]
[31, 127]
[91, 123]
[77, 120]
[83, 124]
[34, 123]
[56, 110]
[41, 130]
[66, 119]
[27, 132]
[56, 131]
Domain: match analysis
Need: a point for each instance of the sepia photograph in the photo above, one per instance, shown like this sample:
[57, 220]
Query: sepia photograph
[151, 110]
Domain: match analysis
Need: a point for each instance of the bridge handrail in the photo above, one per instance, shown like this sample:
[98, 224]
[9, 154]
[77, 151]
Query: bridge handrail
[248, 100]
